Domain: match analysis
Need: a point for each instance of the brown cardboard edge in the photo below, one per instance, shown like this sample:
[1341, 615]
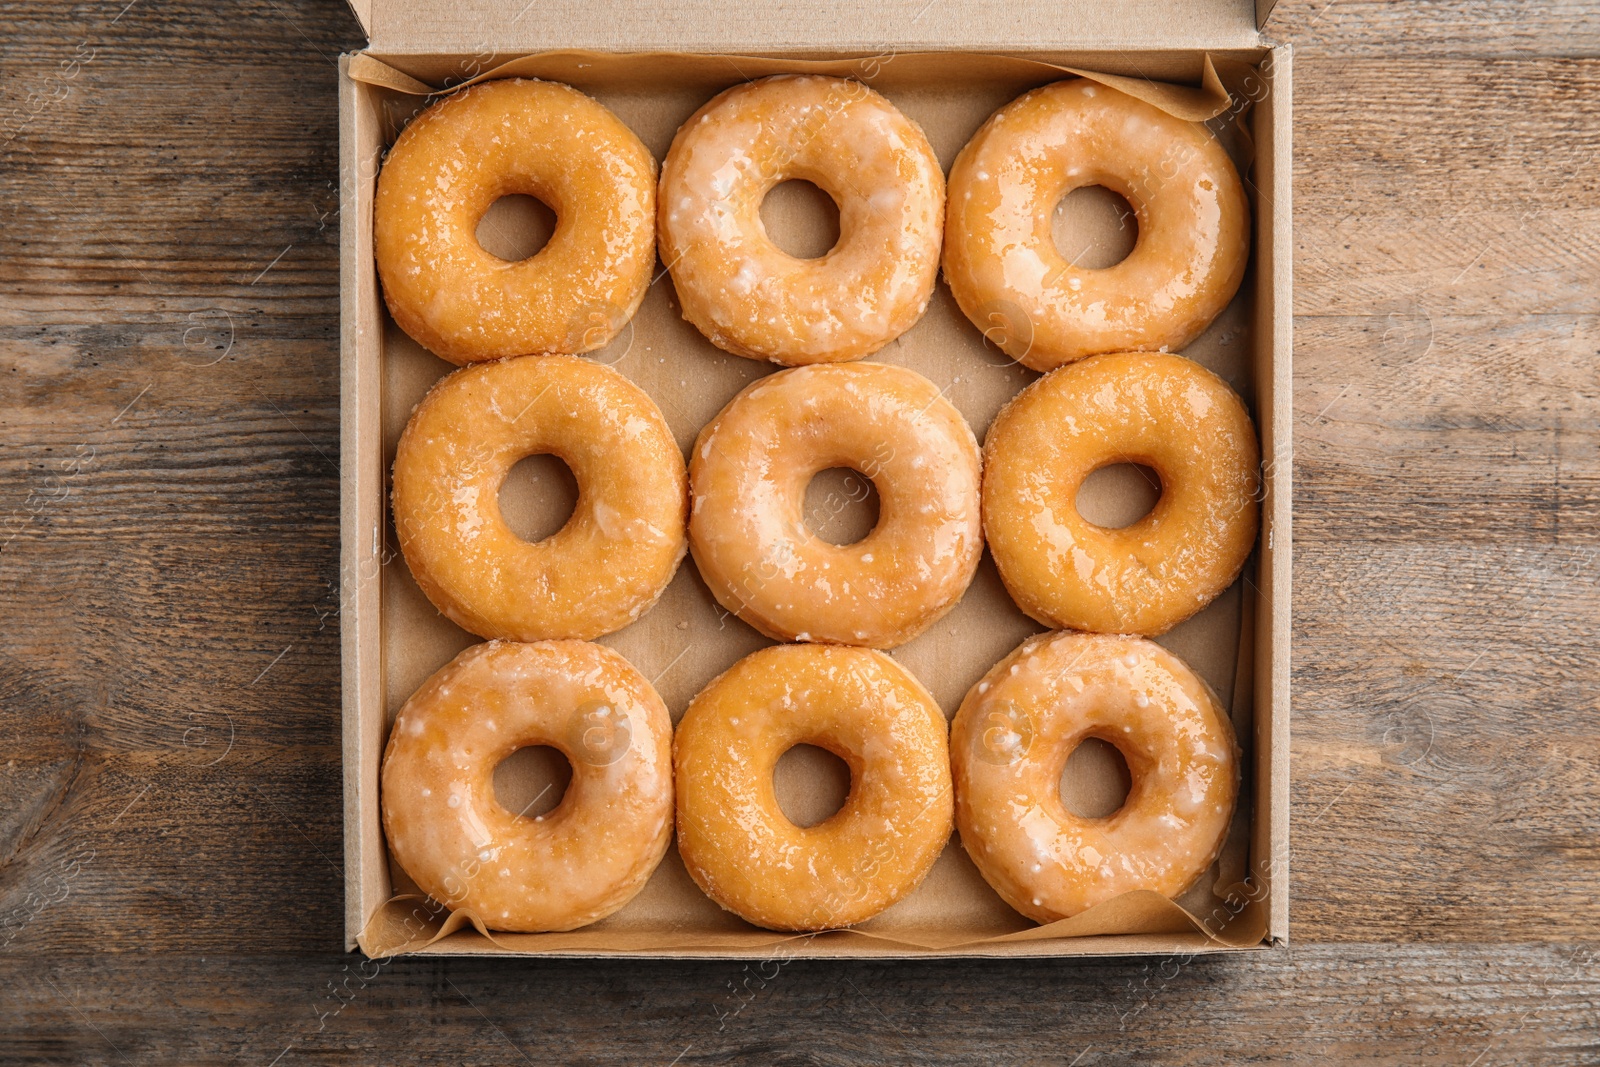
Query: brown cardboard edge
[408, 72]
[1263, 11]
[362, 10]
[1273, 392]
[361, 519]
[393, 930]
[396, 26]
[1192, 103]
[1283, 576]
[469, 943]
[360, 505]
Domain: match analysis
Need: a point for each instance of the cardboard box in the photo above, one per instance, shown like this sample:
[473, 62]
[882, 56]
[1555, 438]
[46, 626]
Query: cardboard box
[948, 64]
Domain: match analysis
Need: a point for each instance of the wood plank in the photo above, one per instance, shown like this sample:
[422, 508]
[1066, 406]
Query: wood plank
[1403, 29]
[1405, 204]
[169, 798]
[1357, 1004]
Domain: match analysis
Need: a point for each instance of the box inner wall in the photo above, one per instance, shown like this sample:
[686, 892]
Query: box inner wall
[687, 639]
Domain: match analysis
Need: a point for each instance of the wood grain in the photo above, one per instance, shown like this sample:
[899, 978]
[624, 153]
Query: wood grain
[1438, 28]
[169, 688]
[1358, 1004]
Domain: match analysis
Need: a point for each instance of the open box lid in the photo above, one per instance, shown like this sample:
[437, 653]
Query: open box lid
[509, 27]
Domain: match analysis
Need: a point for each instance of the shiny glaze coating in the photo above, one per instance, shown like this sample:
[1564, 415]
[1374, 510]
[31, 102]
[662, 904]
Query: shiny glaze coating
[462, 154]
[1001, 259]
[558, 871]
[745, 293]
[1011, 739]
[747, 528]
[1166, 412]
[736, 842]
[600, 571]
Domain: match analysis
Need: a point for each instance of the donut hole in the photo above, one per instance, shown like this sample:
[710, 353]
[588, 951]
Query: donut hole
[841, 505]
[811, 784]
[538, 496]
[1119, 495]
[532, 781]
[516, 227]
[801, 219]
[1095, 780]
[1095, 228]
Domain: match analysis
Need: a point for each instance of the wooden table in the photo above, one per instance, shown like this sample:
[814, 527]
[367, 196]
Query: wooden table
[170, 879]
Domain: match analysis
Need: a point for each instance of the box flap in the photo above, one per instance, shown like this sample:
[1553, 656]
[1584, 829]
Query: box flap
[363, 13]
[509, 27]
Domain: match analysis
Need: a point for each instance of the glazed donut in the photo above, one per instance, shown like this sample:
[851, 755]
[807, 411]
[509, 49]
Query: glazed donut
[748, 477]
[736, 843]
[558, 871]
[600, 571]
[1002, 262]
[746, 294]
[467, 151]
[1163, 411]
[1010, 742]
